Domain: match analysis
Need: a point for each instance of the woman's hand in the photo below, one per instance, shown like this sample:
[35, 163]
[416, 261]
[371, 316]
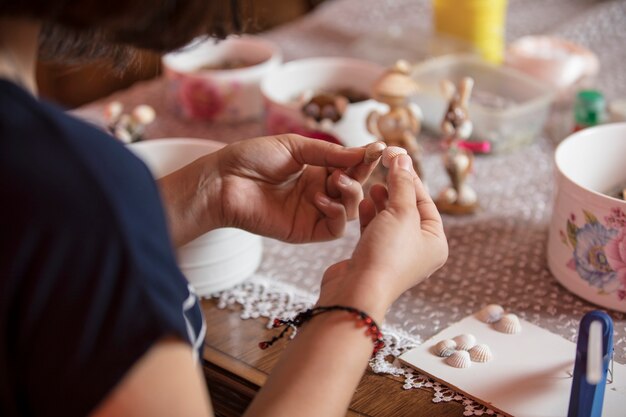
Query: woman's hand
[402, 243]
[292, 188]
[287, 187]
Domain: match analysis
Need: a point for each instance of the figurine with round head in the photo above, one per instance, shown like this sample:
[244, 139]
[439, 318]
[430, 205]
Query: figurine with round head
[458, 197]
[401, 124]
[456, 123]
[128, 127]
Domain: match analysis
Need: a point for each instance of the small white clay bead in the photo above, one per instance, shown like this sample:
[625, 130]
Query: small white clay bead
[390, 153]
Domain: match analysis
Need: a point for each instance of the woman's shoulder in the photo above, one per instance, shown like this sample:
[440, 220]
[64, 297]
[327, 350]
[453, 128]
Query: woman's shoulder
[55, 160]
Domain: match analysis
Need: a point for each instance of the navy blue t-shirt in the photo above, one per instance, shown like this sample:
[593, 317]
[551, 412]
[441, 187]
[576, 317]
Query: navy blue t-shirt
[88, 277]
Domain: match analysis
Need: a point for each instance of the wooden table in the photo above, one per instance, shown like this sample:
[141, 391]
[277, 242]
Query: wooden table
[235, 368]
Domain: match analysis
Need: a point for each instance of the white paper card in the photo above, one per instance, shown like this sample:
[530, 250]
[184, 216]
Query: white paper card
[530, 374]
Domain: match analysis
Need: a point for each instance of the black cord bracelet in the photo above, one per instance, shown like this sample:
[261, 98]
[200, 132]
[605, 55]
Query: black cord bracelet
[363, 319]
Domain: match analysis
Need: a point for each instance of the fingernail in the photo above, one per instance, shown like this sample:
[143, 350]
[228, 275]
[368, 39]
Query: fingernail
[323, 200]
[405, 162]
[344, 180]
[373, 151]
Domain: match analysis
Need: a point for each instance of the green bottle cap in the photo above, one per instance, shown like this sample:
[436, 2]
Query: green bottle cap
[589, 108]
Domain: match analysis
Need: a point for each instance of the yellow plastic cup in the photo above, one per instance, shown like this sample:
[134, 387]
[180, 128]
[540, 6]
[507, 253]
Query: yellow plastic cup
[478, 22]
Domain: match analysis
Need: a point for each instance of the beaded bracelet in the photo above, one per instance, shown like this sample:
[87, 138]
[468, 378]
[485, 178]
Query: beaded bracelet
[362, 318]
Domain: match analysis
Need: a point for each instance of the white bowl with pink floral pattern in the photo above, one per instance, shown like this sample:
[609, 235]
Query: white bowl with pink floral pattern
[218, 80]
[587, 239]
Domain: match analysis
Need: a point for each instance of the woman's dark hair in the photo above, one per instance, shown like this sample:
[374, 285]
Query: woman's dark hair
[76, 30]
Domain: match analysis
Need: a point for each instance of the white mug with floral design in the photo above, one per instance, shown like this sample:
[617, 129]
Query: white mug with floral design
[219, 80]
[587, 239]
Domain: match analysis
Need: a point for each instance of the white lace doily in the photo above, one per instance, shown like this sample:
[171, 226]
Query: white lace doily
[497, 255]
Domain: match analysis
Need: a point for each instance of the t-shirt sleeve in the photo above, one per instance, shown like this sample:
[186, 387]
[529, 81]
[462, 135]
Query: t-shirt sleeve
[90, 278]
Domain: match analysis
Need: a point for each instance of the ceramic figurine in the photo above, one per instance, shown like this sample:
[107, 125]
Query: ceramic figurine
[401, 124]
[128, 127]
[458, 198]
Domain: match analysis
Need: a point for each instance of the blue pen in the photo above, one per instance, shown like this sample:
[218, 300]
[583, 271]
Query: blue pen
[594, 350]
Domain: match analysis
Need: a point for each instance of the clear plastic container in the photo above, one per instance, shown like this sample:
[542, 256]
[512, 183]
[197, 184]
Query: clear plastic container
[507, 108]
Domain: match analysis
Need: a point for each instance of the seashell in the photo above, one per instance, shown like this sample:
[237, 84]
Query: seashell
[390, 153]
[459, 359]
[491, 313]
[465, 341]
[508, 324]
[481, 353]
[445, 348]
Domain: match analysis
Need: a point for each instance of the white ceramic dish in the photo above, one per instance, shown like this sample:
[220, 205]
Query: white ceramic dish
[587, 239]
[508, 108]
[216, 260]
[282, 88]
[223, 95]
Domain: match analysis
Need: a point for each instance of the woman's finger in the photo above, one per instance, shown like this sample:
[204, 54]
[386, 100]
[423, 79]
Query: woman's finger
[400, 183]
[367, 212]
[321, 153]
[425, 205]
[379, 196]
[362, 171]
[333, 223]
[351, 193]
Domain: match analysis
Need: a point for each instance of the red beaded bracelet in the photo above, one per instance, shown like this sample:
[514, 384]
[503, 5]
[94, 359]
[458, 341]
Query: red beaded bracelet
[363, 319]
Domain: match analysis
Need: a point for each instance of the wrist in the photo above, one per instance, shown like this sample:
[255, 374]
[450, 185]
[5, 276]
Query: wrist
[356, 289]
[332, 316]
[191, 200]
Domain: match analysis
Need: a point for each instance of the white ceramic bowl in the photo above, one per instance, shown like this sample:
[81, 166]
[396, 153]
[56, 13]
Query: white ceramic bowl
[218, 259]
[223, 95]
[282, 88]
[587, 239]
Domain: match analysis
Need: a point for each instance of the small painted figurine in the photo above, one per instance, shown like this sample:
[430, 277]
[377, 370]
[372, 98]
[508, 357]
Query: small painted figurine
[128, 127]
[458, 198]
[401, 124]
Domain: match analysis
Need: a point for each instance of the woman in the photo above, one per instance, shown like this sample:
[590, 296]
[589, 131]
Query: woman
[95, 317]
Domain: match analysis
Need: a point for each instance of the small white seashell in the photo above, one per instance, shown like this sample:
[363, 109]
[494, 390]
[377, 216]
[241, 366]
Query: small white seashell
[508, 324]
[390, 153]
[445, 348]
[491, 313]
[465, 341]
[459, 359]
[481, 353]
